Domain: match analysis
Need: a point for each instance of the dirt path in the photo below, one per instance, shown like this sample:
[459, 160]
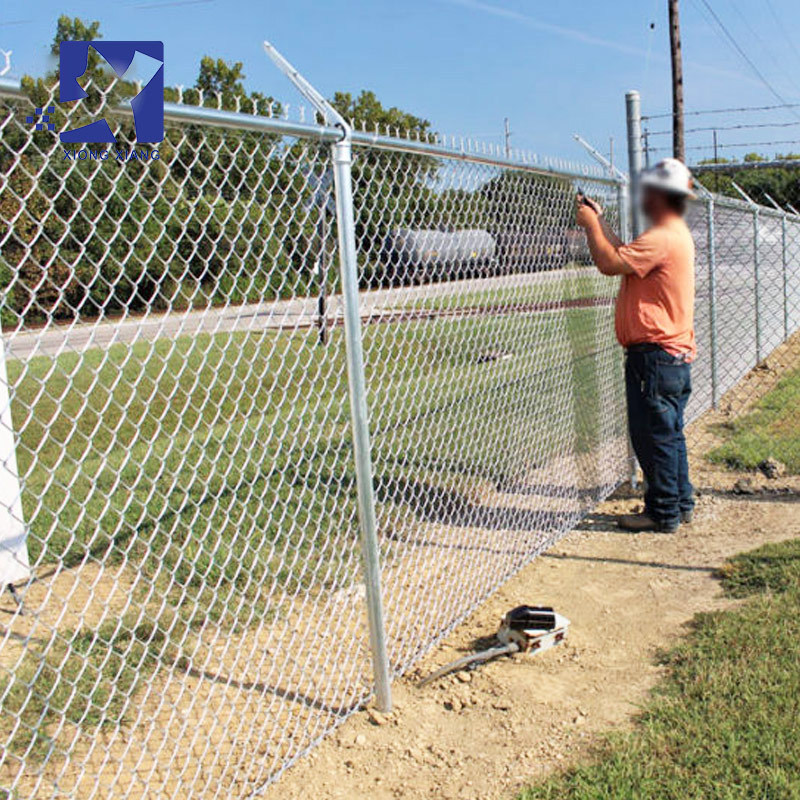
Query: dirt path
[487, 733]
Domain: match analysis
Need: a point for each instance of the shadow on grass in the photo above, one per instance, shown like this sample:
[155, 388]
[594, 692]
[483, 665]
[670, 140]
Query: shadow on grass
[448, 506]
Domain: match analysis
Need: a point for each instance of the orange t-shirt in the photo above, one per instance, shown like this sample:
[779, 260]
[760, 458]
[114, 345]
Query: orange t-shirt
[655, 305]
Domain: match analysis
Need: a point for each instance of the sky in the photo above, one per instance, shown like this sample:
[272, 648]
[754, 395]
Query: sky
[553, 68]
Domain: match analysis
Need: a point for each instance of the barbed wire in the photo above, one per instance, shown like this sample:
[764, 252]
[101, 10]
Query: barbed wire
[731, 146]
[740, 110]
[711, 128]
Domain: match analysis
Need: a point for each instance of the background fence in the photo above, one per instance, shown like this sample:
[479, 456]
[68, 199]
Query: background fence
[177, 378]
[748, 306]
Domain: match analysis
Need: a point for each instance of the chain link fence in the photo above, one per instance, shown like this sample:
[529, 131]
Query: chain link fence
[178, 474]
[747, 380]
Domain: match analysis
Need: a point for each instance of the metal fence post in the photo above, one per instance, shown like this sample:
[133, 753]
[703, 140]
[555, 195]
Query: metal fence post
[785, 265]
[342, 160]
[348, 261]
[712, 302]
[757, 279]
[623, 201]
[633, 107]
[14, 565]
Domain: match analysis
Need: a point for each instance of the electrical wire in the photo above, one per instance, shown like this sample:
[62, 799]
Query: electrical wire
[473, 658]
[738, 48]
[760, 41]
[650, 41]
[770, 5]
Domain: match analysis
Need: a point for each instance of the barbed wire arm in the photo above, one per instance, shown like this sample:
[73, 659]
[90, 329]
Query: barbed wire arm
[746, 197]
[7, 58]
[702, 191]
[600, 158]
[776, 206]
[328, 112]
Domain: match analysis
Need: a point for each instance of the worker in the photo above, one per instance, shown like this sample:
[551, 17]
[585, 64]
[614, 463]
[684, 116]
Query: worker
[655, 325]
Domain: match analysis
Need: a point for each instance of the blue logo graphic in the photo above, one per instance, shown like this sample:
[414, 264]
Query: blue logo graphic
[143, 61]
[44, 113]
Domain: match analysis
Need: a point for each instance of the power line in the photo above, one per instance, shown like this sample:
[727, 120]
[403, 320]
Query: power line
[732, 40]
[763, 46]
[770, 5]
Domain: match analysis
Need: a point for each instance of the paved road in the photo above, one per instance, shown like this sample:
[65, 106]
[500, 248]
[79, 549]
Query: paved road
[292, 314]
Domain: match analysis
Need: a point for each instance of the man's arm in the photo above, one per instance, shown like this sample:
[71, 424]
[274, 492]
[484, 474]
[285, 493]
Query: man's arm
[604, 248]
[609, 233]
[607, 229]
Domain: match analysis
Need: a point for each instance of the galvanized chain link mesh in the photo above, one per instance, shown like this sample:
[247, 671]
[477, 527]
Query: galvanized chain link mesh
[493, 378]
[195, 620]
[748, 329]
[194, 623]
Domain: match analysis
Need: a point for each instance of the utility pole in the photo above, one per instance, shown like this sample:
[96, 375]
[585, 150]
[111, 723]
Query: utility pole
[678, 142]
[507, 132]
[646, 142]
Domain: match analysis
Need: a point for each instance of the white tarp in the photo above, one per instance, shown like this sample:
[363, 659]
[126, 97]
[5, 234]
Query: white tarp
[14, 566]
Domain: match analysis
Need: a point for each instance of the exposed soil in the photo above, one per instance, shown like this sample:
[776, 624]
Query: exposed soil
[487, 733]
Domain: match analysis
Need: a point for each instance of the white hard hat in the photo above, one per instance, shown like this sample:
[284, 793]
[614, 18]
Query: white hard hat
[669, 175]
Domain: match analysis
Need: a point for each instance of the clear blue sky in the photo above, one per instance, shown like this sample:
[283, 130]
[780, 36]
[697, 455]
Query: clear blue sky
[554, 68]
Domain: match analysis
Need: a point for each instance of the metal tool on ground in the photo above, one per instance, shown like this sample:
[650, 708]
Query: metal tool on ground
[523, 629]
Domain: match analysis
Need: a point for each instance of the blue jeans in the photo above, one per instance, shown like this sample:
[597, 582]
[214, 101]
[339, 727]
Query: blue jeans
[658, 386]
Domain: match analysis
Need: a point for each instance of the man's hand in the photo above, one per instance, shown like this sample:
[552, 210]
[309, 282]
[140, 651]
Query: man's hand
[593, 204]
[586, 211]
[604, 244]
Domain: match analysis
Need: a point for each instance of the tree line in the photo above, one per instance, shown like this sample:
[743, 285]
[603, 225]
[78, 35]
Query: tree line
[781, 183]
[223, 216]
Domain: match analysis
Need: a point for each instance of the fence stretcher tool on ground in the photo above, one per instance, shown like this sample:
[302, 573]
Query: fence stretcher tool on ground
[523, 629]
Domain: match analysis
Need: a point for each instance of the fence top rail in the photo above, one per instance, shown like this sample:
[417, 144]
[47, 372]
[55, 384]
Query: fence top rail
[460, 148]
[722, 200]
[481, 153]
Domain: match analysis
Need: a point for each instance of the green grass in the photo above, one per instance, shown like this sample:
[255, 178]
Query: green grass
[770, 430]
[771, 568]
[723, 725]
[588, 283]
[219, 469]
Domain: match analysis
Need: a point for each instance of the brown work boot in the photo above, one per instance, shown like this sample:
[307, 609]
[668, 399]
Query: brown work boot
[642, 523]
